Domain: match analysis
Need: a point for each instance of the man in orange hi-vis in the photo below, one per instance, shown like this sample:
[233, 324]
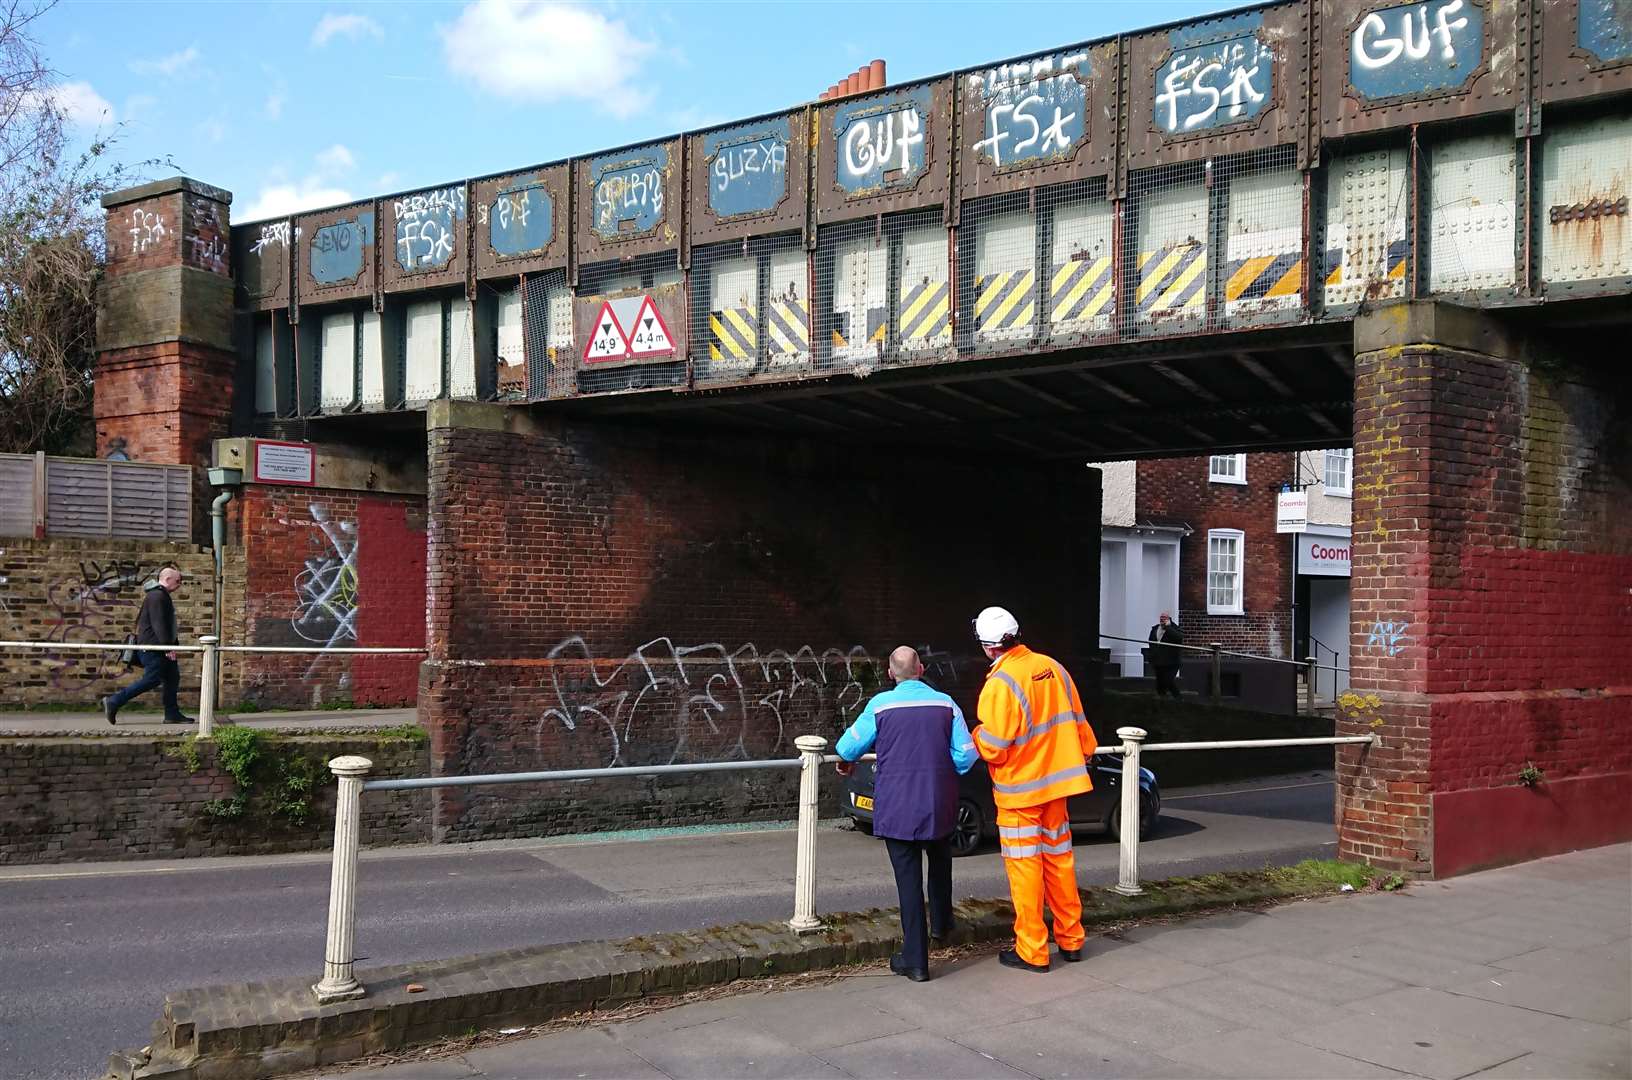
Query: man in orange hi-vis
[1037, 743]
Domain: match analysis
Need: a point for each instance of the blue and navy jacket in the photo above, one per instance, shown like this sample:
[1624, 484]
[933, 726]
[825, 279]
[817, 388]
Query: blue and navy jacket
[923, 744]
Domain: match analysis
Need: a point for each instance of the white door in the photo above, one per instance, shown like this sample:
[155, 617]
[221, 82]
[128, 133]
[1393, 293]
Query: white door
[1113, 592]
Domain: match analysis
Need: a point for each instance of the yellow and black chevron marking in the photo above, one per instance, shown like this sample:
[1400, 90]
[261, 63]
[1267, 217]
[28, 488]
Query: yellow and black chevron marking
[1173, 279]
[1005, 299]
[789, 327]
[926, 312]
[733, 334]
[876, 326]
[1263, 276]
[1394, 272]
[1081, 289]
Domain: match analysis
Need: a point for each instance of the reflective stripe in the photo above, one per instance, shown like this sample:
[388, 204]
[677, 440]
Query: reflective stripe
[1061, 848]
[1025, 703]
[1079, 769]
[1070, 687]
[1067, 717]
[1018, 832]
[989, 739]
[921, 703]
[1055, 834]
[1029, 852]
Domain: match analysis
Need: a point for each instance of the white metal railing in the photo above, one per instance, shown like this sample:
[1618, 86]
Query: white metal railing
[210, 648]
[339, 981]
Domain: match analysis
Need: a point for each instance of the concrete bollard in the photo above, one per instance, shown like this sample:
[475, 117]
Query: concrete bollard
[339, 983]
[804, 875]
[1127, 882]
[206, 688]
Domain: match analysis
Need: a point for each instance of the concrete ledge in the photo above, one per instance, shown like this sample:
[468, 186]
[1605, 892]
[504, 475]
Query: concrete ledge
[165, 187]
[272, 1028]
[1428, 322]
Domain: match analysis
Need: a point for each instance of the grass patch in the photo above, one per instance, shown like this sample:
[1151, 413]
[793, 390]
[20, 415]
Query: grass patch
[411, 732]
[1324, 871]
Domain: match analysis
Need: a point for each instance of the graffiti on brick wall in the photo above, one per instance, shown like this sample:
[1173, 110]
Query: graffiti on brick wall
[664, 702]
[326, 589]
[1391, 637]
[146, 230]
[100, 605]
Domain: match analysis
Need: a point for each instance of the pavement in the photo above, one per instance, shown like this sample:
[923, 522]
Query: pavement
[1519, 972]
[103, 943]
[132, 722]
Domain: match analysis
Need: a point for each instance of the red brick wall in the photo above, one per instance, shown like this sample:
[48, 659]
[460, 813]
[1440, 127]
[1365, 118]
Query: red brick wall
[167, 402]
[1176, 491]
[339, 568]
[657, 597]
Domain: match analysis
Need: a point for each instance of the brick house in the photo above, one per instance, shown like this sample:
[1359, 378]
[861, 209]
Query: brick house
[1196, 537]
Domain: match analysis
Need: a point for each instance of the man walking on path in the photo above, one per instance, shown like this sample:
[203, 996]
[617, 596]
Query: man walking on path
[1163, 656]
[155, 626]
[923, 744]
[1037, 742]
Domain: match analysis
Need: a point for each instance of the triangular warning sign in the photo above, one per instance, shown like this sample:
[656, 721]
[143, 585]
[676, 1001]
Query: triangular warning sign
[607, 341]
[650, 336]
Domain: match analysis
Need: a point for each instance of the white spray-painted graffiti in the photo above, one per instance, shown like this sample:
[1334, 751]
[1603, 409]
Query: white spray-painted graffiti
[146, 230]
[326, 590]
[629, 194]
[747, 160]
[1216, 84]
[1037, 107]
[1375, 47]
[426, 234]
[274, 235]
[882, 144]
[1389, 636]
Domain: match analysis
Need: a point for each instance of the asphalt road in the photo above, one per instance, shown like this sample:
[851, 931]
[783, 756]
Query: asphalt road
[87, 952]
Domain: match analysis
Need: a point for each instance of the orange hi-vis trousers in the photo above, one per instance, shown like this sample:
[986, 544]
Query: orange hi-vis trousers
[1036, 845]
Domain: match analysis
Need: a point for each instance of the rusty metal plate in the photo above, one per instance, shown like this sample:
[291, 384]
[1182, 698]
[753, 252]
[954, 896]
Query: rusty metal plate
[749, 179]
[1042, 119]
[628, 202]
[426, 238]
[882, 152]
[1583, 211]
[630, 326]
[1217, 86]
[521, 222]
[1586, 48]
[1393, 64]
[336, 253]
[260, 257]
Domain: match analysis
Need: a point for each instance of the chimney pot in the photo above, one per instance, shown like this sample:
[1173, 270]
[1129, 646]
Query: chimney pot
[876, 71]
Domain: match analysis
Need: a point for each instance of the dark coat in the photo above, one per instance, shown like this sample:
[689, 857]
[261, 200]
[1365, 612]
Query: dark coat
[1163, 655]
[156, 625]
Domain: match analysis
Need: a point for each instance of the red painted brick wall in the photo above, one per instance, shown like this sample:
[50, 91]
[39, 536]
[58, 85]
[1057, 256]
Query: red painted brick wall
[1176, 491]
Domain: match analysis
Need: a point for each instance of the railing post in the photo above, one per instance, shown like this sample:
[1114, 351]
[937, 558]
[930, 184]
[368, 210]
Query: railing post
[206, 689]
[1309, 684]
[1217, 688]
[339, 983]
[1127, 882]
[804, 875]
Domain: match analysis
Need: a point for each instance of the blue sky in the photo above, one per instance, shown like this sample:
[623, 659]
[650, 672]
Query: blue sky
[295, 105]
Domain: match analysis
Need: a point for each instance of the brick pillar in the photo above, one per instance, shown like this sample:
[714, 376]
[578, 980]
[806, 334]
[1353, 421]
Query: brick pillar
[1490, 612]
[164, 372]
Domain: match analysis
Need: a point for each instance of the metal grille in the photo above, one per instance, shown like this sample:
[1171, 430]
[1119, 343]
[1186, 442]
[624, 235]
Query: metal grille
[1472, 201]
[884, 292]
[1365, 241]
[1164, 250]
[546, 321]
[750, 310]
[644, 272]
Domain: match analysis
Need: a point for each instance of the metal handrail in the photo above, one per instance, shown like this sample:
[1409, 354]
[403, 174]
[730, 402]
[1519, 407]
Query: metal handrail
[114, 646]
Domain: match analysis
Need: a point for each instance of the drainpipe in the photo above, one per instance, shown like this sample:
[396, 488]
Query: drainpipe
[226, 480]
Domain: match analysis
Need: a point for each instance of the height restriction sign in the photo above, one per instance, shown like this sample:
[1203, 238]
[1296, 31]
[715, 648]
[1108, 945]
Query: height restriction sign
[628, 328]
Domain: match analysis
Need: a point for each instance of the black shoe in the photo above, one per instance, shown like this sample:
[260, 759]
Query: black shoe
[179, 720]
[108, 710]
[941, 936]
[1071, 956]
[915, 974]
[1010, 958]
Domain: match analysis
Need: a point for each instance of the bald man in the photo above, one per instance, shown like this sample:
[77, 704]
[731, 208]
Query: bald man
[923, 744]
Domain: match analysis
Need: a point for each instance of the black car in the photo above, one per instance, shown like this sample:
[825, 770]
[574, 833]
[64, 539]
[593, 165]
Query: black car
[977, 813]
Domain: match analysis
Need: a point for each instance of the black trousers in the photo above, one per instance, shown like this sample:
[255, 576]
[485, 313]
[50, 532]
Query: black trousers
[1165, 683]
[907, 859]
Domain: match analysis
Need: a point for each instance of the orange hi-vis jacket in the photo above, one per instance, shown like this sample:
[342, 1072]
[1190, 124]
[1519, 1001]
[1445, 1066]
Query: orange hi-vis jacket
[1033, 733]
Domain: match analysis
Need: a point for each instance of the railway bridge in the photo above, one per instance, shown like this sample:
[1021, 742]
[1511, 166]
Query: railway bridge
[707, 421]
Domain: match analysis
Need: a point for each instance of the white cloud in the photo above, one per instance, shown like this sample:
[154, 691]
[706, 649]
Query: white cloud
[336, 159]
[80, 105]
[274, 106]
[332, 26]
[547, 50]
[280, 200]
[168, 66]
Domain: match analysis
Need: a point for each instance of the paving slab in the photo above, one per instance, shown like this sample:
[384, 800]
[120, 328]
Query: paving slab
[1252, 1005]
[1459, 944]
[1134, 966]
[724, 1050]
[454, 1068]
[1139, 1020]
[1566, 997]
[569, 1055]
[821, 1019]
[1406, 965]
[913, 1055]
[1542, 1067]
[1254, 1054]
[1212, 940]
[1314, 979]
[1049, 1048]
[1418, 1051]
[1536, 933]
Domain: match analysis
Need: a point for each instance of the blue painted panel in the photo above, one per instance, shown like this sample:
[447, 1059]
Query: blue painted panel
[1191, 35]
[428, 227]
[879, 143]
[1035, 112]
[627, 191]
[747, 167]
[1416, 48]
[1223, 82]
[521, 220]
[1604, 29]
[336, 250]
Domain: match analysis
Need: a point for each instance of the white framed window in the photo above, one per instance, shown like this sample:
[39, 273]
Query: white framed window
[1227, 469]
[1339, 472]
[1224, 555]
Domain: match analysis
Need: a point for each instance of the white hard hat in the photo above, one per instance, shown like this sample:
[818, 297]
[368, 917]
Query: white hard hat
[994, 625]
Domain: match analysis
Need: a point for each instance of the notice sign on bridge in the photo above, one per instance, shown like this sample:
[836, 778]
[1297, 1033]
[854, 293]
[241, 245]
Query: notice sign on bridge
[628, 328]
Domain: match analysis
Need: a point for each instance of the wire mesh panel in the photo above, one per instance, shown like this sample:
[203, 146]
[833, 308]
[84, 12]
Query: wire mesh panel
[1166, 252]
[1366, 245]
[1263, 237]
[751, 306]
[547, 335]
[852, 294]
[1002, 282]
[1471, 213]
[1582, 212]
[509, 347]
[923, 293]
[1081, 298]
[648, 348]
